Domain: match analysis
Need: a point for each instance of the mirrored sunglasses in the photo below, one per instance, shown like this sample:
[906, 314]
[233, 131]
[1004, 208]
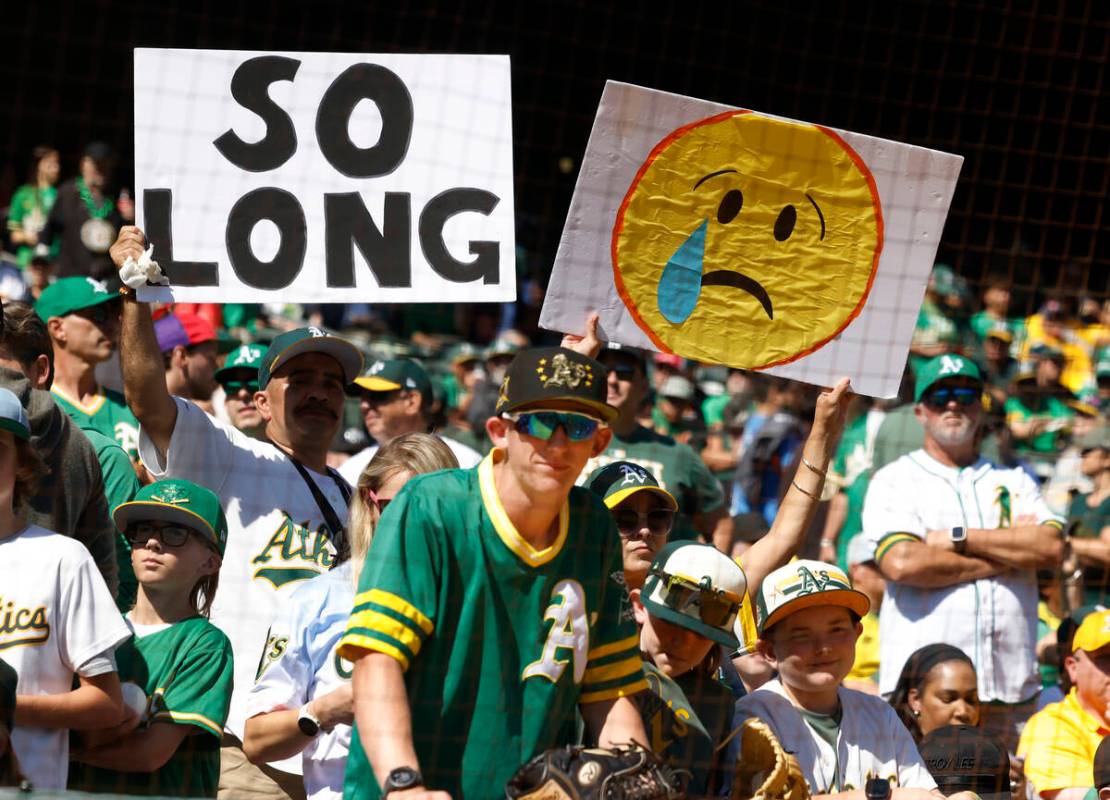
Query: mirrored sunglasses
[964, 396]
[234, 387]
[717, 608]
[543, 424]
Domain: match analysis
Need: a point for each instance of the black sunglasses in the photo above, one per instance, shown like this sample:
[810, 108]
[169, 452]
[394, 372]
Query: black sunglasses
[965, 396]
[658, 521]
[98, 314]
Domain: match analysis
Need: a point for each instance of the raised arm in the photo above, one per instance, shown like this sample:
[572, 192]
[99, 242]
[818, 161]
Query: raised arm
[796, 511]
[144, 379]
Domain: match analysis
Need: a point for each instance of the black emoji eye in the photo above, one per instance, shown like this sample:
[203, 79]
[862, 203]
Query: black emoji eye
[784, 225]
[730, 206]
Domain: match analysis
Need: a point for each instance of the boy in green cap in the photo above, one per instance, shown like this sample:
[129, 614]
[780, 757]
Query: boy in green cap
[177, 667]
[238, 378]
[82, 318]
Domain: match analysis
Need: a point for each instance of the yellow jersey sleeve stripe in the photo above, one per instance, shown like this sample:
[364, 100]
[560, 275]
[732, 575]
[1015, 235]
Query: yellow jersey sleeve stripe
[611, 672]
[631, 643]
[198, 719]
[378, 622]
[612, 694]
[395, 603]
[889, 541]
[355, 646]
[1055, 523]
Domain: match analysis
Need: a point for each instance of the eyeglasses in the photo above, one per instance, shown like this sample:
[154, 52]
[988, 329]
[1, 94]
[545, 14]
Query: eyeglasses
[965, 396]
[542, 424]
[234, 387]
[715, 607]
[624, 372]
[170, 535]
[658, 521]
[372, 497]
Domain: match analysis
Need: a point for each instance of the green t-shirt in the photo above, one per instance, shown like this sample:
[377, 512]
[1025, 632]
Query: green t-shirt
[1049, 440]
[982, 323]
[186, 673]
[121, 484]
[685, 719]
[676, 466]
[827, 726]
[500, 643]
[1091, 521]
[30, 208]
[108, 414]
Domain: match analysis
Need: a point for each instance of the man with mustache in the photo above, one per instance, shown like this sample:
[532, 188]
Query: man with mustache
[286, 510]
[959, 541]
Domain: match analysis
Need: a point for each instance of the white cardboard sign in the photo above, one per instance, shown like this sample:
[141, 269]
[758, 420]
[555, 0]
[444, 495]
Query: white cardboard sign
[325, 177]
[740, 238]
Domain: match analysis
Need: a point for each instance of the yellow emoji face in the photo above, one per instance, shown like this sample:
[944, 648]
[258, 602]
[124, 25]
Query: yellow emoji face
[747, 241]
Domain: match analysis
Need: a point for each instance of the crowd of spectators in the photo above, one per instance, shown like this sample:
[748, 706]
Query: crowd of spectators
[937, 559]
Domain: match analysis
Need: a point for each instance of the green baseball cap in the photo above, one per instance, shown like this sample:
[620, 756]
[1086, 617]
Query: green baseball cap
[803, 584]
[696, 587]
[12, 416]
[291, 344]
[464, 352]
[616, 482]
[945, 366]
[180, 501]
[67, 295]
[247, 356]
[393, 374]
[502, 347]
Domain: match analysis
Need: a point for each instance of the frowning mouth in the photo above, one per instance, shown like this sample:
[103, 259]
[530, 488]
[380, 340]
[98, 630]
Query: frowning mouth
[738, 280]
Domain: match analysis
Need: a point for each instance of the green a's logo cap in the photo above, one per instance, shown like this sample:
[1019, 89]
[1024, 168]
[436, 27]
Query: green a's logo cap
[67, 295]
[181, 502]
[945, 366]
[291, 344]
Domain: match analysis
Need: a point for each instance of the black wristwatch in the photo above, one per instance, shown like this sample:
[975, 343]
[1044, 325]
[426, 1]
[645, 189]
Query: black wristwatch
[958, 537]
[400, 779]
[308, 722]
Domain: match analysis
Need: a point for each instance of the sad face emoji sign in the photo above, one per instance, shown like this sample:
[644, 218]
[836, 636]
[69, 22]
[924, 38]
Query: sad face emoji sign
[748, 241]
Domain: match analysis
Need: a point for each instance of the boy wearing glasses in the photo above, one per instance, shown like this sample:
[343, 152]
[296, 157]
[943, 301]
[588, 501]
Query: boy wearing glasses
[82, 319]
[959, 541]
[485, 614]
[176, 669]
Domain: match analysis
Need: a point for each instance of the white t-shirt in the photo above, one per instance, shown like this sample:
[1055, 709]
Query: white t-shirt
[993, 620]
[301, 664]
[353, 466]
[276, 533]
[871, 742]
[58, 617]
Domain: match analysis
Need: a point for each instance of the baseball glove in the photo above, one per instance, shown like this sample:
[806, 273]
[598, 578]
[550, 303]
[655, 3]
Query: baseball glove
[764, 771]
[580, 773]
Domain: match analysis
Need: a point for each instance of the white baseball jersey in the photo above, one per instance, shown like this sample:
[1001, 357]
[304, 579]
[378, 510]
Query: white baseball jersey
[871, 743]
[57, 614]
[276, 533]
[993, 620]
[353, 466]
[301, 664]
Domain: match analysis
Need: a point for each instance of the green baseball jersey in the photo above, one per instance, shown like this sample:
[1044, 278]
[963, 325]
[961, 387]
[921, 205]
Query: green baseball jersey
[983, 323]
[185, 670]
[108, 413]
[121, 484]
[676, 466]
[685, 719]
[1054, 436]
[28, 212]
[500, 642]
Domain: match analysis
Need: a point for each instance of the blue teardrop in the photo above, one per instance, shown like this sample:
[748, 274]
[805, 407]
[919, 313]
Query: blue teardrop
[680, 286]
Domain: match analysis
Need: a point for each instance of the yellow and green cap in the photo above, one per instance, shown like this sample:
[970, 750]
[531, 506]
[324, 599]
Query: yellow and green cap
[618, 481]
[803, 584]
[688, 580]
[181, 502]
[67, 295]
[1093, 632]
[396, 373]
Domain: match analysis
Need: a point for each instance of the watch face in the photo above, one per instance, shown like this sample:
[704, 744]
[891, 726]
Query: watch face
[403, 778]
[308, 726]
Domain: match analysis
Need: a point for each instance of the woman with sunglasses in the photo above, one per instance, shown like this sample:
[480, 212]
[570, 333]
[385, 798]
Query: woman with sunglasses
[300, 707]
[177, 666]
[687, 608]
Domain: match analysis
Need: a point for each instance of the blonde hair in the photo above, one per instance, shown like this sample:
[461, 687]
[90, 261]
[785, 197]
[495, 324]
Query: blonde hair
[417, 453]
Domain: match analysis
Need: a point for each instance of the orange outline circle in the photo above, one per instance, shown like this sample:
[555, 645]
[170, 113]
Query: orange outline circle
[667, 140]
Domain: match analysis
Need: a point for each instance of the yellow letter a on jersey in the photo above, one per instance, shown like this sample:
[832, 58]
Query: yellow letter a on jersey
[569, 629]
